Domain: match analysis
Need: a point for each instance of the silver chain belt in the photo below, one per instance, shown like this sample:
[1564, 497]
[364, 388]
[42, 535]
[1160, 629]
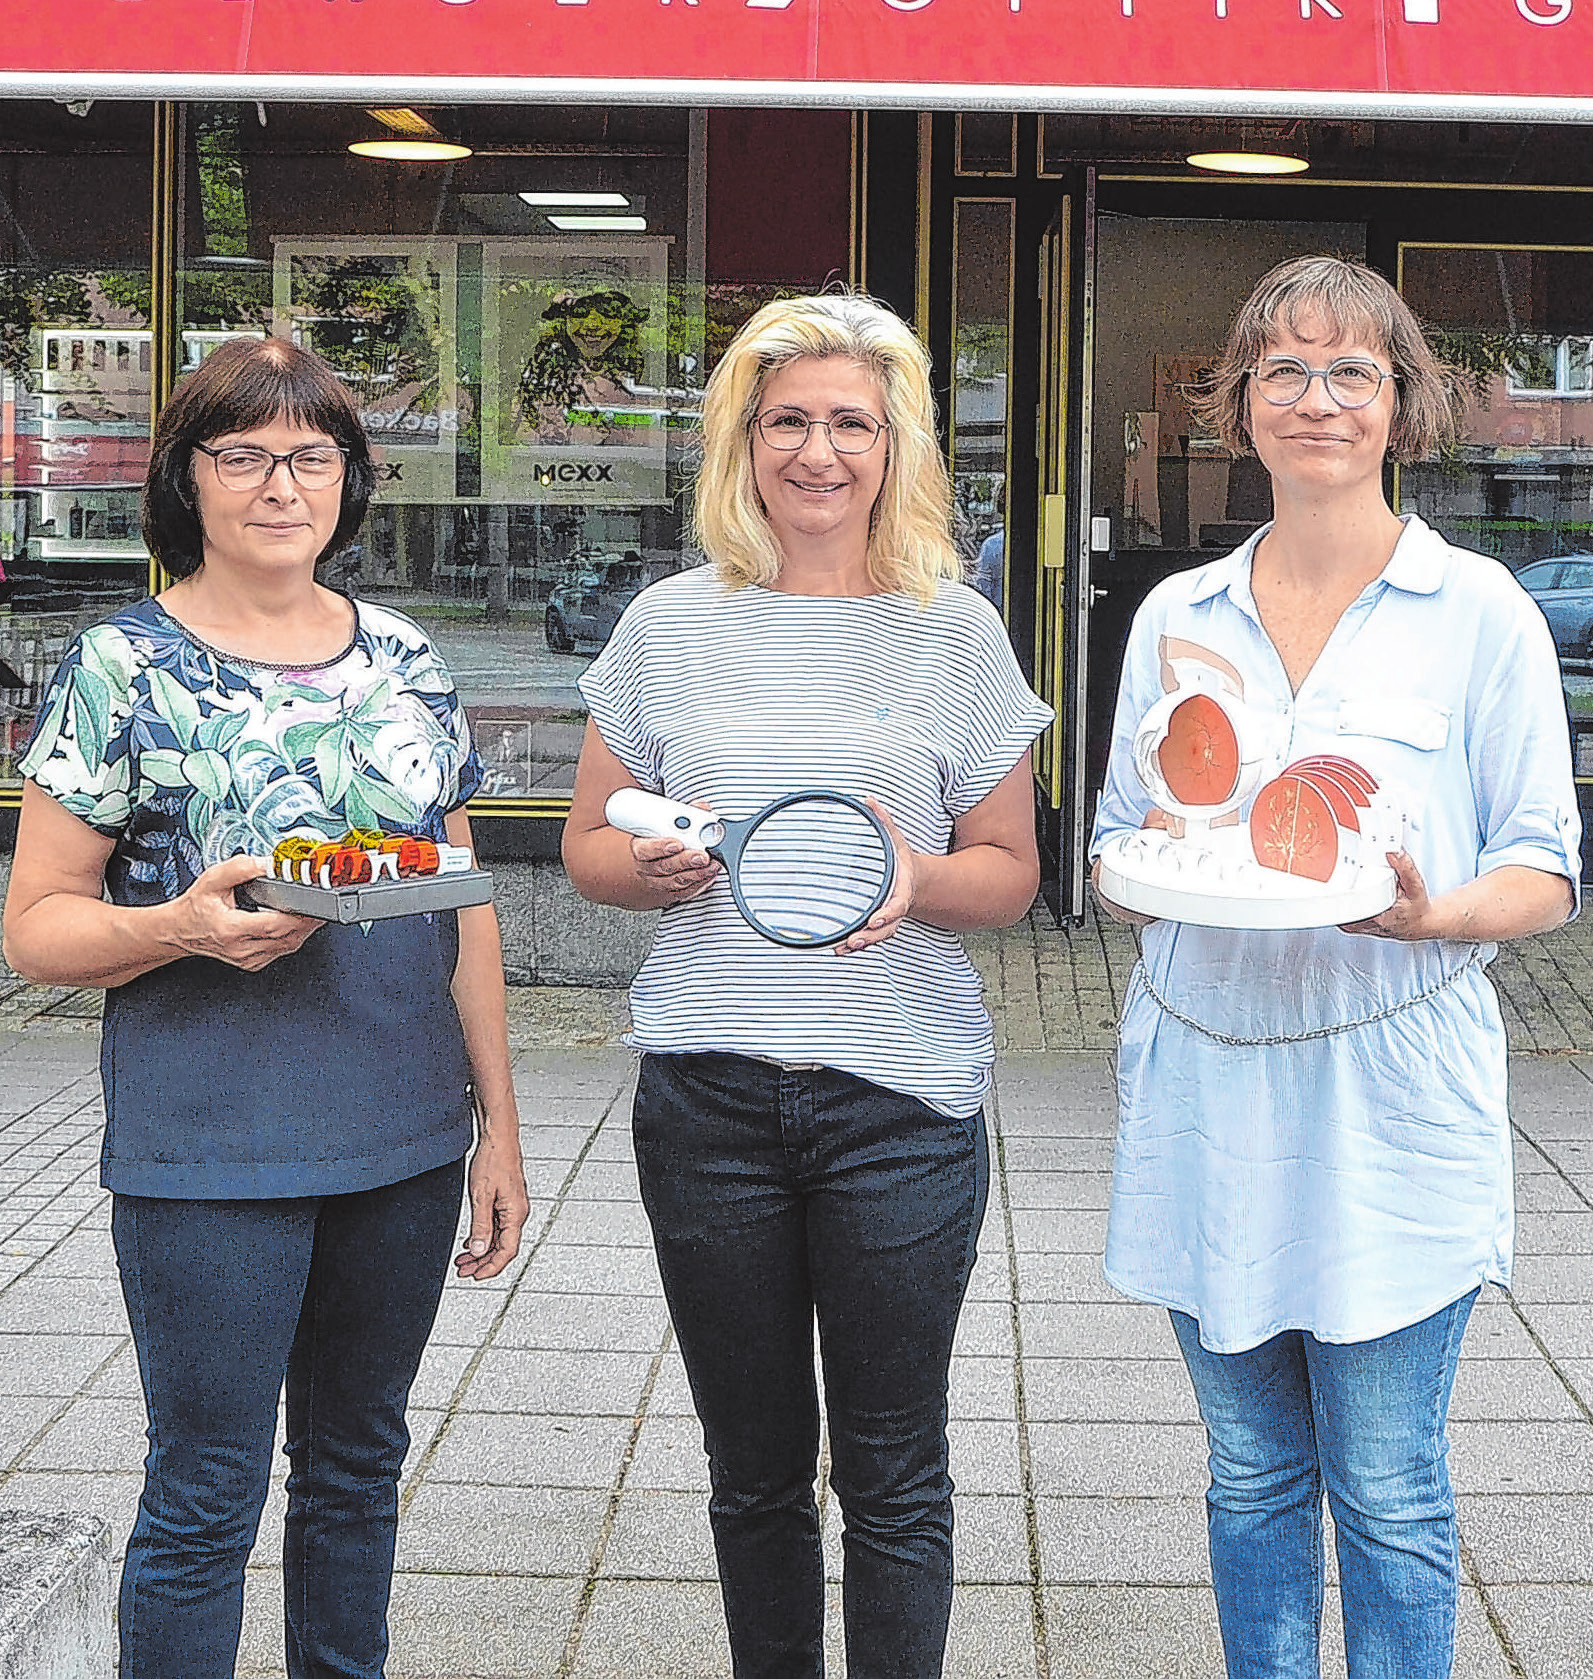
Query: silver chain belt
[1316, 1032]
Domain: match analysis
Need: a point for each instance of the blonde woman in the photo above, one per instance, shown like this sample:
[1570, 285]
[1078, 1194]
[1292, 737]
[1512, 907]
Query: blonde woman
[808, 1125]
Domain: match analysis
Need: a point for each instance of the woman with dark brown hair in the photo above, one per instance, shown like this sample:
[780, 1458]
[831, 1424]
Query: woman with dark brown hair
[289, 1104]
[1313, 1152]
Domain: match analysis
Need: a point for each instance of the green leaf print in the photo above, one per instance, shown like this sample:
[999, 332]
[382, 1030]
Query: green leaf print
[219, 730]
[209, 772]
[164, 768]
[174, 702]
[333, 766]
[383, 804]
[91, 715]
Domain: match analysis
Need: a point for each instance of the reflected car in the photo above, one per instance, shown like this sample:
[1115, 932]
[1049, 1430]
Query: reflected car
[1563, 587]
[587, 605]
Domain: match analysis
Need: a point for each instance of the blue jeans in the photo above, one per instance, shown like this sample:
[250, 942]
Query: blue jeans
[1367, 1421]
[774, 1194]
[336, 1294]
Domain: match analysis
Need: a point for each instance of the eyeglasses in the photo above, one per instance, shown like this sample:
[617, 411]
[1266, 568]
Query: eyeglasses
[852, 431]
[1351, 381]
[315, 466]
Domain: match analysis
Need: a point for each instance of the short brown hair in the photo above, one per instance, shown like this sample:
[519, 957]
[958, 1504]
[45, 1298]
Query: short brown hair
[244, 383]
[1357, 302]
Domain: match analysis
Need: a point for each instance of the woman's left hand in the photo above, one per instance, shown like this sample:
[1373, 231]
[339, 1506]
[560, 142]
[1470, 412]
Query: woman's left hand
[1410, 915]
[888, 917]
[498, 1208]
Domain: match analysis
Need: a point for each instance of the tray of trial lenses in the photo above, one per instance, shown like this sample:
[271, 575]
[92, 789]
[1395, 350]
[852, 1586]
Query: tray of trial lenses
[368, 877]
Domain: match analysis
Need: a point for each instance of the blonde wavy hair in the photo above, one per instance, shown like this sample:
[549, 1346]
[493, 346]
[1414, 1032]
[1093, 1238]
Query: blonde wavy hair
[910, 549]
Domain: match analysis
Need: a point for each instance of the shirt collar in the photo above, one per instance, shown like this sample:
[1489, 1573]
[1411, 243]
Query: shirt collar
[1416, 566]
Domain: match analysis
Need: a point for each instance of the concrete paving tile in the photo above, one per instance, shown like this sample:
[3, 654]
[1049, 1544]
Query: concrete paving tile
[441, 1366]
[52, 1365]
[1496, 1332]
[1064, 1191]
[984, 1456]
[637, 1627]
[991, 1543]
[1510, 1389]
[1550, 1626]
[1529, 1539]
[630, 1324]
[94, 1434]
[984, 1328]
[1054, 1230]
[992, 1275]
[20, 1419]
[1579, 1372]
[508, 1628]
[991, 1632]
[558, 1382]
[982, 1388]
[1065, 1278]
[1117, 1460]
[91, 1306]
[562, 1269]
[490, 1449]
[671, 1392]
[660, 1535]
[1553, 1279]
[669, 1456]
[620, 1224]
[601, 1179]
[260, 1648]
[1118, 1329]
[1088, 1389]
[520, 1530]
[120, 1379]
[1539, 1457]
[1547, 1193]
[1152, 1632]
[1478, 1653]
[1029, 1153]
[1149, 1541]
[465, 1315]
[1567, 1331]
[1554, 1233]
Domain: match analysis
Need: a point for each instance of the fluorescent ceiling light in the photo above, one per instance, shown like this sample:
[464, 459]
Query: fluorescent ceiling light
[556, 200]
[402, 120]
[410, 151]
[599, 224]
[1248, 163]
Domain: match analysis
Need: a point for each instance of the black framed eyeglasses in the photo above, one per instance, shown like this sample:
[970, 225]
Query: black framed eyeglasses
[1351, 381]
[312, 466]
[852, 431]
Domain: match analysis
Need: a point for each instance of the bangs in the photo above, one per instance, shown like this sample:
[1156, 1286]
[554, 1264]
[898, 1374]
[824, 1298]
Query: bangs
[263, 380]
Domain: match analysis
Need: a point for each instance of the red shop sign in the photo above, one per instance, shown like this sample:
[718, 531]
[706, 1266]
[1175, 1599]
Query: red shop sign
[1302, 54]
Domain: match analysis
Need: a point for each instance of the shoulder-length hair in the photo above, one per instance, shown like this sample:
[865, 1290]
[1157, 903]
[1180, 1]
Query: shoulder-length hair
[244, 383]
[1355, 302]
[910, 549]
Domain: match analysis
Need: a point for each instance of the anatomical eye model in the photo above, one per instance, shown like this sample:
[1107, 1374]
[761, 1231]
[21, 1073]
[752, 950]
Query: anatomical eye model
[1233, 840]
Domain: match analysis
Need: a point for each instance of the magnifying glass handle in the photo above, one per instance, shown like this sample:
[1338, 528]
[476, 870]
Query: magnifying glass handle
[651, 816]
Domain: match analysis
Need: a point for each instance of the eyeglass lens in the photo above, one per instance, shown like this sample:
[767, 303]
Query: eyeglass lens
[315, 467]
[850, 432]
[1351, 382]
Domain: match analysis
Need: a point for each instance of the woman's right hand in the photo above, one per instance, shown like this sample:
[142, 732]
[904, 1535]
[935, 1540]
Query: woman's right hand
[674, 870]
[206, 920]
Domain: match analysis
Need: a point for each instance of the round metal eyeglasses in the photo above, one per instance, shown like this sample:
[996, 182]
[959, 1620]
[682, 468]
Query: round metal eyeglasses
[1351, 381]
[313, 466]
[851, 431]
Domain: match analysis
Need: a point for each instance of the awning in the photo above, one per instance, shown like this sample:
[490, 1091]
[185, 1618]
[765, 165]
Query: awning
[1483, 59]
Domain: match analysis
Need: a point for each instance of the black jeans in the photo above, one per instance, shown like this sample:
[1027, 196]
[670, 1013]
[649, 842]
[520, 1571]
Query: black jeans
[226, 1298]
[774, 1193]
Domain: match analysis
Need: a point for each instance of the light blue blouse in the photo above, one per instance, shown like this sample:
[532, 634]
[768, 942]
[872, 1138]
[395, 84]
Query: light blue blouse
[1355, 1177]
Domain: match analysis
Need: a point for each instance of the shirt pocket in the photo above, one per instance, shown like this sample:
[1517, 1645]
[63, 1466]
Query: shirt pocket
[1399, 738]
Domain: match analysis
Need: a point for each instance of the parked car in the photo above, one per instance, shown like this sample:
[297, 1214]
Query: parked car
[1563, 587]
[587, 605]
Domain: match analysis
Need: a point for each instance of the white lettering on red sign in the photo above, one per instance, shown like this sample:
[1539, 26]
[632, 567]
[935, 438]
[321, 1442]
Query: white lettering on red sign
[1558, 12]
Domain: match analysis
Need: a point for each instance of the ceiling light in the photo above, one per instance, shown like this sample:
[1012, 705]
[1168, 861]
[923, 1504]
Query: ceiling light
[553, 200]
[599, 224]
[1249, 163]
[410, 151]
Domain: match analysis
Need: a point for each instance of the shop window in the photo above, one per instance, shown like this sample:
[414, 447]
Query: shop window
[1517, 323]
[75, 191]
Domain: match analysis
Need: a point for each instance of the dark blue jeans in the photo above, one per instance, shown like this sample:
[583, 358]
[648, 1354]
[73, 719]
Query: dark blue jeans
[774, 1194]
[335, 1294]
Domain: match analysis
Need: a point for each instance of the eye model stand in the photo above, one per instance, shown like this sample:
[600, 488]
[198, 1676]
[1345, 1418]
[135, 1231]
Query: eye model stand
[1309, 851]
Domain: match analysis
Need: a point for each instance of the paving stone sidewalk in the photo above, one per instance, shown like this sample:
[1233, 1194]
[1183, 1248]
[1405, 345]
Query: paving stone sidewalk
[553, 1501]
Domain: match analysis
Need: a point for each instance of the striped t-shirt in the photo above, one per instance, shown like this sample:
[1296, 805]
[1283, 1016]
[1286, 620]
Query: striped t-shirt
[738, 696]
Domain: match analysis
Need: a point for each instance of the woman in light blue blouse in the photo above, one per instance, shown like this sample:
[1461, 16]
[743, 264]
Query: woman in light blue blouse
[289, 1104]
[1313, 1165]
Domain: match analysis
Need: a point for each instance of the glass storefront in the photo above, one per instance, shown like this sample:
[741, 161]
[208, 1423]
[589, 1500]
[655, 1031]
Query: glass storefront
[526, 331]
